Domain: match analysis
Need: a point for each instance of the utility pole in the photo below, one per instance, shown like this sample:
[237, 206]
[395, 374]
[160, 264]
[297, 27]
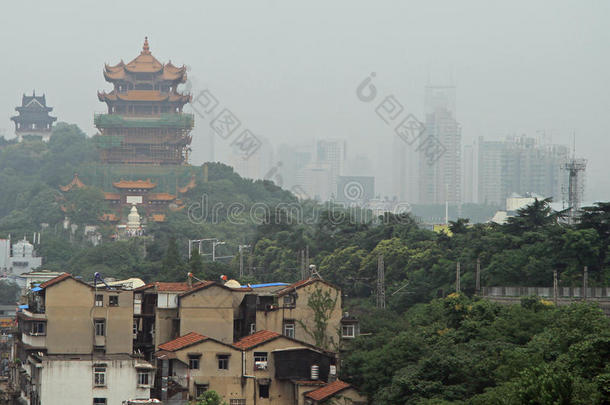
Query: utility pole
[306, 258]
[585, 282]
[192, 242]
[380, 283]
[241, 259]
[555, 288]
[457, 278]
[214, 244]
[478, 277]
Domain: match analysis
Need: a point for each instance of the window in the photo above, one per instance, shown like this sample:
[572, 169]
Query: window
[135, 328]
[263, 390]
[237, 402]
[100, 327]
[143, 378]
[99, 401]
[252, 328]
[289, 329]
[260, 360]
[99, 300]
[223, 361]
[113, 301]
[348, 331]
[38, 328]
[99, 376]
[289, 300]
[194, 362]
[200, 389]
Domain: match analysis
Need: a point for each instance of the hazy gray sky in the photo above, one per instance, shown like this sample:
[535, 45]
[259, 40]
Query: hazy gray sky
[289, 69]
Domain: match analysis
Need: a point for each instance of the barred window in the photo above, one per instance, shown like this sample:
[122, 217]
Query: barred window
[143, 378]
[99, 376]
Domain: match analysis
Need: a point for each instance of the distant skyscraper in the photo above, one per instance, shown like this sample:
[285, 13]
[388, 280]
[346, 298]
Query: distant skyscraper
[469, 174]
[405, 171]
[255, 166]
[332, 152]
[520, 165]
[316, 180]
[440, 181]
[496, 171]
[360, 165]
[289, 161]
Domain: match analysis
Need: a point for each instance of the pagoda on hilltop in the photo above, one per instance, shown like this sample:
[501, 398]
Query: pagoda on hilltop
[145, 123]
[33, 118]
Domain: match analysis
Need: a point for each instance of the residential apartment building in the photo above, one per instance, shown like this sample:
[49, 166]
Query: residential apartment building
[520, 165]
[104, 345]
[332, 153]
[74, 346]
[265, 368]
[164, 311]
[439, 179]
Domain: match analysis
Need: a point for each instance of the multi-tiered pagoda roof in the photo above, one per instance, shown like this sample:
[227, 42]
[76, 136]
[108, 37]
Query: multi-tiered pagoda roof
[33, 118]
[145, 123]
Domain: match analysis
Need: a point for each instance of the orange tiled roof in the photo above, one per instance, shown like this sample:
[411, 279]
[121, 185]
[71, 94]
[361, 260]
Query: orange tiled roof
[161, 197]
[169, 73]
[191, 184]
[327, 391]
[158, 217]
[110, 217]
[143, 95]
[256, 339]
[182, 342]
[145, 62]
[135, 184]
[55, 280]
[112, 196]
[74, 183]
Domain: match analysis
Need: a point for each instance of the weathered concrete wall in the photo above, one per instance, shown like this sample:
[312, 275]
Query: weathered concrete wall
[209, 312]
[274, 320]
[70, 382]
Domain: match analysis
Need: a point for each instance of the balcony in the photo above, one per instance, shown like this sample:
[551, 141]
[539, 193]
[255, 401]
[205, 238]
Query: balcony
[34, 340]
[34, 315]
[167, 120]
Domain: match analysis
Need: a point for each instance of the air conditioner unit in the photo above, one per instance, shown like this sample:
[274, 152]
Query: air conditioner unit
[260, 365]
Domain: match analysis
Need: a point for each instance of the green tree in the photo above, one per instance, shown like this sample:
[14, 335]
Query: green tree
[210, 397]
[322, 303]
[9, 292]
[172, 268]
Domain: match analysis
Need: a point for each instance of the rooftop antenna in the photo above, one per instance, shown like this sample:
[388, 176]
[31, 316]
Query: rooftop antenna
[575, 168]
[314, 272]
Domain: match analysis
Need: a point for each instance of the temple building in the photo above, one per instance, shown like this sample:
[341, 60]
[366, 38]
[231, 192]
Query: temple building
[144, 123]
[33, 118]
[152, 205]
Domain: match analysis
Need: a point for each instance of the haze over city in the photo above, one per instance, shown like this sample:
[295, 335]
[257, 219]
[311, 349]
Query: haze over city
[289, 70]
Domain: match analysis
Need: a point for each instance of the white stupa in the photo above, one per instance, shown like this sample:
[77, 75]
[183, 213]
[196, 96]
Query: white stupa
[133, 220]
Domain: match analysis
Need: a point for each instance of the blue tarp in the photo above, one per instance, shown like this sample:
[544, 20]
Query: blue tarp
[36, 289]
[24, 306]
[264, 285]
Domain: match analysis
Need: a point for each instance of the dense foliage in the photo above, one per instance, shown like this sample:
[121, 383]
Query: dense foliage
[457, 350]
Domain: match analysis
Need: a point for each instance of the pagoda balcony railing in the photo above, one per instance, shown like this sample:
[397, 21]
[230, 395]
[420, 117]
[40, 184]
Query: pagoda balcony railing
[166, 120]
